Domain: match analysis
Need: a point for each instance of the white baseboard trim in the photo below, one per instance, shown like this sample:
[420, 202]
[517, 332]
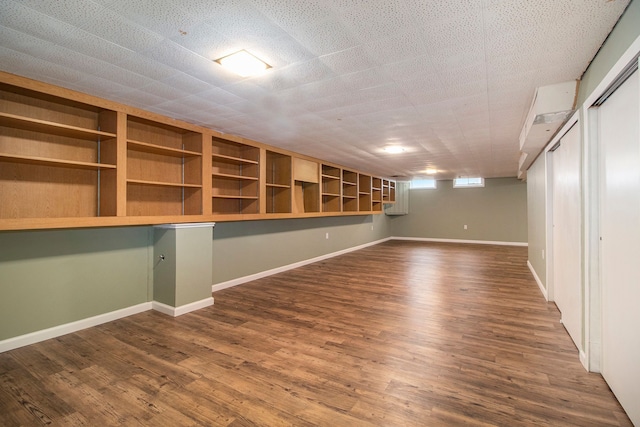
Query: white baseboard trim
[183, 309]
[67, 328]
[240, 280]
[584, 360]
[475, 242]
[538, 281]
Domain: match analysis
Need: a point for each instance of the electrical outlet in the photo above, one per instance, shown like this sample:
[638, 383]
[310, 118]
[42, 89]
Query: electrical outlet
[326, 236]
[543, 254]
[465, 226]
[372, 228]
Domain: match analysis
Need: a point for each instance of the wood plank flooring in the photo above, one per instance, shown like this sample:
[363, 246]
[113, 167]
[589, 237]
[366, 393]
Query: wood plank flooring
[398, 334]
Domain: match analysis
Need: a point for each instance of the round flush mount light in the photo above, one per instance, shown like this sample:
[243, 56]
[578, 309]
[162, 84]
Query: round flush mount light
[394, 149]
[431, 171]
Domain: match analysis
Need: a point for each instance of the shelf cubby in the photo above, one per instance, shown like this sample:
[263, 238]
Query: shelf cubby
[164, 169]
[385, 191]
[331, 189]
[349, 191]
[235, 177]
[306, 196]
[278, 182]
[57, 156]
[376, 194]
[364, 193]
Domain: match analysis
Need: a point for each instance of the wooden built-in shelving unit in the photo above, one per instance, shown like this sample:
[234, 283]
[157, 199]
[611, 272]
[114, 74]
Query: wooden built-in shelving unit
[68, 159]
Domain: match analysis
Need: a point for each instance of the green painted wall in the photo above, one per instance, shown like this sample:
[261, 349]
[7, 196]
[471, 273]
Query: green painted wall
[624, 33]
[49, 278]
[537, 211]
[496, 212]
[164, 271]
[249, 247]
[194, 273]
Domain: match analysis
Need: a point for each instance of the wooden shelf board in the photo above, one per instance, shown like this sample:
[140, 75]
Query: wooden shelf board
[348, 183]
[226, 175]
[349, 197]
[235, 159]
[278, 185]
[225, 196]
[54, 162]
[44, 126]
[162, 184]
[159, 149]
[330, 176]
[364, 193]
[331, 194]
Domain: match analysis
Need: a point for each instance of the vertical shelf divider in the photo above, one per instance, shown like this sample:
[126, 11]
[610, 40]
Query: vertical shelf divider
[121, 163]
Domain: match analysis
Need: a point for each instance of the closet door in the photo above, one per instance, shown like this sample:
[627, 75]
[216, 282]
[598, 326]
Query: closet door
[619, 140]
[567, 277]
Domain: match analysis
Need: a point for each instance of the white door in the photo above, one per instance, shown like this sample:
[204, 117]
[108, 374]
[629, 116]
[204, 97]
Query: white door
[620, 243]
[567, 261]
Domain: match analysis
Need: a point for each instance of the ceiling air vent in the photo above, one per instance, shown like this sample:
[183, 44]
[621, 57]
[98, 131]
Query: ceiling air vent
[551, 107]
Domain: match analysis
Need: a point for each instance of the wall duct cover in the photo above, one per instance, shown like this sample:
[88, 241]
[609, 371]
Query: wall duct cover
[551, 107]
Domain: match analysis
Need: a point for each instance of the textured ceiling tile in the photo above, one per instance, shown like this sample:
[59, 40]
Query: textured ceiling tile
[307, 71]
[246, 90]
[98, 20]
[220, 96]
[187, 84]
[432, 11]
[26, 65]
[92, 46]
[326, 37]
[459, 34]
[169, 17]
[22, 18]
[417, 68]
[348, 61]
[146, 67]
[102, 88]
[292, 15]
[378, 19]
[205, 41]
[398, 47]
[239, 20]
[25, 43]
[143, 99]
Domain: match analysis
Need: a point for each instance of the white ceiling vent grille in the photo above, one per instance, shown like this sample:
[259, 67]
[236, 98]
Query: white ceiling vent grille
[551, 107]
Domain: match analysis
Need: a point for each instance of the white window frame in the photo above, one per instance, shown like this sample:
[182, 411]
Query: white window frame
[466, 182]
[421, 184]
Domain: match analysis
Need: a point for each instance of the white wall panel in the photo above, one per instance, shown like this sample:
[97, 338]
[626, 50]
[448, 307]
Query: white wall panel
[567, 226]
[619, 138]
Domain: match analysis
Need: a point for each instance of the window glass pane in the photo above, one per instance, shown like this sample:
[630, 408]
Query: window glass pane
[423, 183]
[468, 182]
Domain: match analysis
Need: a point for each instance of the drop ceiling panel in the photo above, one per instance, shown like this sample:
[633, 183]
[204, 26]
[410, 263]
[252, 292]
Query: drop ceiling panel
[450, 80]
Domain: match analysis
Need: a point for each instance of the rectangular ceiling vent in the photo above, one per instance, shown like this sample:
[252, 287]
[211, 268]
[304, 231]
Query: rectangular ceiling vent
[551, 107]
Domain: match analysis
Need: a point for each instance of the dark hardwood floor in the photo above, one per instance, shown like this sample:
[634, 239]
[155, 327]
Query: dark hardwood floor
[398, 334]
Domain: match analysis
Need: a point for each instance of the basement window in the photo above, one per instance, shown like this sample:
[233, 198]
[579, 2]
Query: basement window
[468, 182]
[429, 183]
